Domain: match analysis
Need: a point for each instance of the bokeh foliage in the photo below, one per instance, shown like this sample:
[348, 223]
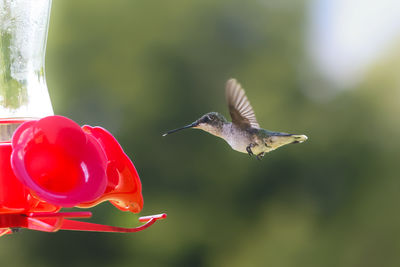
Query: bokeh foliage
[139, 68]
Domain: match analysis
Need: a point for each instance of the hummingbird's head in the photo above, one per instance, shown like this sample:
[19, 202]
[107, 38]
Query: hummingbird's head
[211, 122]
[212, 118]
[276, 139]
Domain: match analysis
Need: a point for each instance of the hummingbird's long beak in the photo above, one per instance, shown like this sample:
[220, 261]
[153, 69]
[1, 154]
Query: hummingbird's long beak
[194, 124]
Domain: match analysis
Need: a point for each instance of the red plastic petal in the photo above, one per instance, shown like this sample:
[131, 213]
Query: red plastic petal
[124, 189]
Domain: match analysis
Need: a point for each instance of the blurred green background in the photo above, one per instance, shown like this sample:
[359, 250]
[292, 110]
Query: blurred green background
[139, 68]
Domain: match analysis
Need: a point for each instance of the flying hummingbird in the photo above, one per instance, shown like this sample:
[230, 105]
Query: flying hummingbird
[243, 134]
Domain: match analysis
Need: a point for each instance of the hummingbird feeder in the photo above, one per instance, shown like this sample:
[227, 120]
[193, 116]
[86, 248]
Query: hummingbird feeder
[49, 162]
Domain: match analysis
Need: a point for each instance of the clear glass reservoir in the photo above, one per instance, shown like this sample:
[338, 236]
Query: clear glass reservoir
[23, 89]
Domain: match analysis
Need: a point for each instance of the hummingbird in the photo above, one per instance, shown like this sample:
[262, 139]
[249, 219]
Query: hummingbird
[243, 134]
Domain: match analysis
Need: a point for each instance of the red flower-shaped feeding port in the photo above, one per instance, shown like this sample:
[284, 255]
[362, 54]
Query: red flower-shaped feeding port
[124, 189]
[54, 164]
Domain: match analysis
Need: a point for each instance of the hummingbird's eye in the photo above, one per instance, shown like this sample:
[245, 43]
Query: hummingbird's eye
[206, 119]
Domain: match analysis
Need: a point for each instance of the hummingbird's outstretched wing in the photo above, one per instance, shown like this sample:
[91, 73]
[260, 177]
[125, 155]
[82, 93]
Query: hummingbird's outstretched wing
[241, 111]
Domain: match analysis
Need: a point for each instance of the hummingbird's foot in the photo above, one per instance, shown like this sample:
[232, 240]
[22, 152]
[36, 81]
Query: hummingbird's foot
[260, 156]
[248, 149]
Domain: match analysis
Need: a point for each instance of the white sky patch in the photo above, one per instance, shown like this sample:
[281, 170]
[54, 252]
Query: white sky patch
[347, 36]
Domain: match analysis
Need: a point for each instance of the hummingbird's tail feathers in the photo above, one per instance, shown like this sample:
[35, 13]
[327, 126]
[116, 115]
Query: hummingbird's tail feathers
[299, 138]
[277, 139]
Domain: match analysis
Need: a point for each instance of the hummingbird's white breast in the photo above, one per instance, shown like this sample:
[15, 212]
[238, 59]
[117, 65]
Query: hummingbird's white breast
[237, 138]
